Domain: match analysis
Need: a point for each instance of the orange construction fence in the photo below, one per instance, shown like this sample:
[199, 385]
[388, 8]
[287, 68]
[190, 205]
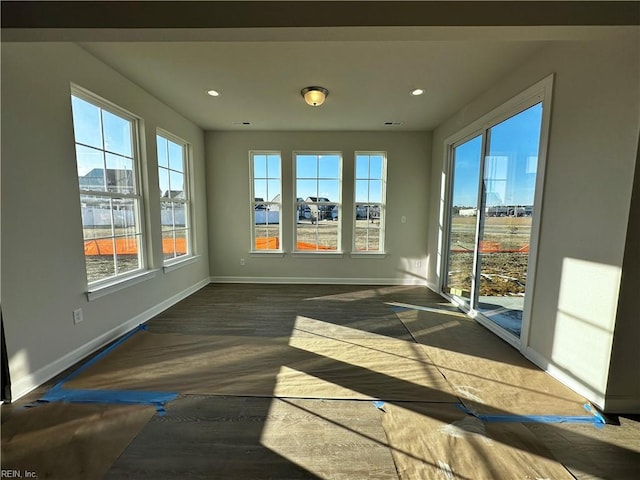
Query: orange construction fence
[493, 247]
[273, 243]
[128, 246]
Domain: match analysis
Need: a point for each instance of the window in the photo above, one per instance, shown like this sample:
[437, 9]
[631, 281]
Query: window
[495, 182]
[173, 176]
[370, 192]
[266, 201]
[107, 165]
[318, 182]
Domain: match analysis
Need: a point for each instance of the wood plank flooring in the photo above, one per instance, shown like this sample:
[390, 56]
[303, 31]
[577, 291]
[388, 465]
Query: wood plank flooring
[280, 433]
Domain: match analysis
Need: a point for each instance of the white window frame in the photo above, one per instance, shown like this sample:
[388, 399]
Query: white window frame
[103, 286]
[185, 202]
[299, 204]
[540, 92]
[381, 205]
[268, 203]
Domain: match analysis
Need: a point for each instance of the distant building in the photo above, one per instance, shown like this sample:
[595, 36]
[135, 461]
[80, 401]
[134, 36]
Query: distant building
[468, 212]
[114, 179]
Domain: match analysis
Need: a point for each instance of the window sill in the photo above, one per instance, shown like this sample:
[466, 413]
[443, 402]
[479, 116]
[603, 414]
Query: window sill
[317, 254]
[266, 253]
[179, 263]
[119, 284]
[368, 254]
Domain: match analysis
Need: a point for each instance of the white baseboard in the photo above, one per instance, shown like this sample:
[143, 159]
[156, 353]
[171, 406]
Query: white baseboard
[317, 281]
[595, 397]
[432, 286]
[24, 385]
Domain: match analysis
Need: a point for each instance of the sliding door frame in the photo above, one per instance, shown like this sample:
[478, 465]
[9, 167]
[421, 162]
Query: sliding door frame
[540, 92]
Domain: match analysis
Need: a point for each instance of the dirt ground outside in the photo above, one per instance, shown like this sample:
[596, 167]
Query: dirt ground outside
[504, 254]
[324, 234]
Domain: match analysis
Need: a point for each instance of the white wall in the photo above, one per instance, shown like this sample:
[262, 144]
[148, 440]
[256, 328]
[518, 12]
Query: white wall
[229, 211]
[585, 210]
[43, 268]
[623, 389]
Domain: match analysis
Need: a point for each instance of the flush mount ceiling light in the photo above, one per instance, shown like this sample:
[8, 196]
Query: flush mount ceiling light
[416, 92]
[213, 93]
[314, 96]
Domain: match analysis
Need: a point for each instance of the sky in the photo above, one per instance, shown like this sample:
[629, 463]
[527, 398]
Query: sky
[95, 128]
[510, 163]
[319, 175]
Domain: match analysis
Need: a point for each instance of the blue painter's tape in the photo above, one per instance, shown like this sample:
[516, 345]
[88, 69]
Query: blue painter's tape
[596, 420]
[101, 355]
[379, 405]
[122, 397]
[601, 420]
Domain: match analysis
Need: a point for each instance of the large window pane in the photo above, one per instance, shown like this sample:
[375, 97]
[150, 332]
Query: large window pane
[174, 196]
[109, 197]
[370, 173]
[508, 204]
[266, 201]
[463, 218]
[318, 178]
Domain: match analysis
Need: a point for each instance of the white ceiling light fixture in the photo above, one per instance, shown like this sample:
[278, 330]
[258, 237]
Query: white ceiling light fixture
[417, 92]
[314, 96]
[213, 93]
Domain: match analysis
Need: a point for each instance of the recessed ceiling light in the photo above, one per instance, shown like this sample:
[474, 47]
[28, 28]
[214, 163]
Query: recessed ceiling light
[417, 91]
[213, 93]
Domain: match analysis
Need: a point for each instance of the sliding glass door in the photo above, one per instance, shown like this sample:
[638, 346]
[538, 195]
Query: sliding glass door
[492, 204]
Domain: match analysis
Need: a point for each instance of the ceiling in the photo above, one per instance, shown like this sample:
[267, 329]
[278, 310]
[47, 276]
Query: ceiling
[368, 54]
[369, 82]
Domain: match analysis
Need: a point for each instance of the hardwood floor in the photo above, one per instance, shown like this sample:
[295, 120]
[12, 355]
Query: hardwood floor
[330, 381]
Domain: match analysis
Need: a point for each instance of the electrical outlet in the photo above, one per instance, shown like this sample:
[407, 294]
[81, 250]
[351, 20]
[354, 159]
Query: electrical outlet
[403, 219]
[77, 316]
[242, 262]
[418, 263]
